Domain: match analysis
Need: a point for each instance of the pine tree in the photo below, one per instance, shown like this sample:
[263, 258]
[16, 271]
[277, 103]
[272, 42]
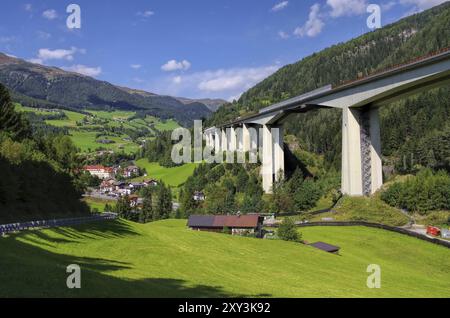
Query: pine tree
[146, 213]
[10, 120]
[123, 207]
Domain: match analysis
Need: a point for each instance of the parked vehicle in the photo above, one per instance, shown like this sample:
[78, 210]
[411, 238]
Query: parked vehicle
[434, 231]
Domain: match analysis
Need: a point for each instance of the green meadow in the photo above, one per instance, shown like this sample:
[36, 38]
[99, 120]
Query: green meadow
[173, 177]
[98, 204]
[85, 135]
[166, 259]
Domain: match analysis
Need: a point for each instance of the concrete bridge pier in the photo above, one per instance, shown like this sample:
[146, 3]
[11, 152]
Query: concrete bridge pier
[217, 135]
[224, 140]
[232, 139]
[362, 172]
[272, 156]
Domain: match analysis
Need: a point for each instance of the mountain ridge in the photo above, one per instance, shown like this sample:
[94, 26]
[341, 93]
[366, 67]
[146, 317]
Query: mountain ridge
[37, 85]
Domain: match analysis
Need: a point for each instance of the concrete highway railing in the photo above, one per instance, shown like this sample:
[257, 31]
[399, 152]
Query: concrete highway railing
[16, 227]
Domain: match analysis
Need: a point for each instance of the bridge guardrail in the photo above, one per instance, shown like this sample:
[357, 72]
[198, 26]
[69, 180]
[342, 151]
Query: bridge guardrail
[21, 226]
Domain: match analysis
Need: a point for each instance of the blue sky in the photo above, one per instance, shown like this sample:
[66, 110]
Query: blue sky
[190, 48]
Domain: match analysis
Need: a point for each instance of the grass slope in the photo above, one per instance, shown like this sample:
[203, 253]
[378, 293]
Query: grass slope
[164, 259]
[171, 176]
[365, 209]
[85, 136]
[98, 204]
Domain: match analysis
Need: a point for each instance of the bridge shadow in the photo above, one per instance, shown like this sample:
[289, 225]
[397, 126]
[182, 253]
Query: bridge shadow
[77, 233]
[32, 271]
[292, 163]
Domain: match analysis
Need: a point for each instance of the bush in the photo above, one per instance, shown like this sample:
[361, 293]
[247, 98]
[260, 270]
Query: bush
[307, 195]
[288, 231]
[427, 191]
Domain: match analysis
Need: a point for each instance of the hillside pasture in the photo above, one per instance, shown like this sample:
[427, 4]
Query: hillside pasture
[173, 177]
[166, 259]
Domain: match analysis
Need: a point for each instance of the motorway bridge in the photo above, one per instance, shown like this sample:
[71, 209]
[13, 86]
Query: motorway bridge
[359, 101]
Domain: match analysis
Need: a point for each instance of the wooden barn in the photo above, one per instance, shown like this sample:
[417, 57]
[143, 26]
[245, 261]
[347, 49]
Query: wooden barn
[236, 224]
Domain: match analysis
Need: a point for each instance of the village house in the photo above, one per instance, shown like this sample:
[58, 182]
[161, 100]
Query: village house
[130, 171]
[150, 183]
[236, 224]
[100, 171]
[134, 201]
[199, 196]
[122, 188]
[136, 186]
[107, 185]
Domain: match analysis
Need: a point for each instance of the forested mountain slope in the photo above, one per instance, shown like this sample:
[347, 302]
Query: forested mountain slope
[37, 178]
[414, 129]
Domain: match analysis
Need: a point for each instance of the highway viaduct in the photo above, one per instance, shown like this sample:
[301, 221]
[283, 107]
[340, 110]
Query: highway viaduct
[359, 100]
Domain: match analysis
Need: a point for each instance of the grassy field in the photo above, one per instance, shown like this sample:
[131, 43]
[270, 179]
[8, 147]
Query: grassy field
[165, 259]
[361, 209]
[86, 142]
[85, 135]
[98, 204]
[171, 176]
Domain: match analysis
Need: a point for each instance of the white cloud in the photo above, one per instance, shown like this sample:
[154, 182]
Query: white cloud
[283, 35]
[84, 70]
[280, 6]
[221, 83]
[50, 14]
[174, 65]
[226, 80]
[341, 8]
[28, 7]
[59, 54]
[313, 26]
[145, 14]
[136, 66]
[421, 5]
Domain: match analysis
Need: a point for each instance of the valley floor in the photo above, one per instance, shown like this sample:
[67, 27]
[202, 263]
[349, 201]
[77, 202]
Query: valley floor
[165, 259]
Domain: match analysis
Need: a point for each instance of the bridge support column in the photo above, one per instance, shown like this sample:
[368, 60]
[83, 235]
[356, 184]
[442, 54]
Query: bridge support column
[267, 159]
[361, 152]
[245, 138]
[376, 162]
[278, 152]
[217, 134]
[224, 141]
[254, 140]
[232, 139]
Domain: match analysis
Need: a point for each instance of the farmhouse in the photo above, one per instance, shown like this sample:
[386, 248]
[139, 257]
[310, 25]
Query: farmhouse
[130, 171]
[107, 185]
[199, 196]
[100, 171]
[150, 183]
[237, 224]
